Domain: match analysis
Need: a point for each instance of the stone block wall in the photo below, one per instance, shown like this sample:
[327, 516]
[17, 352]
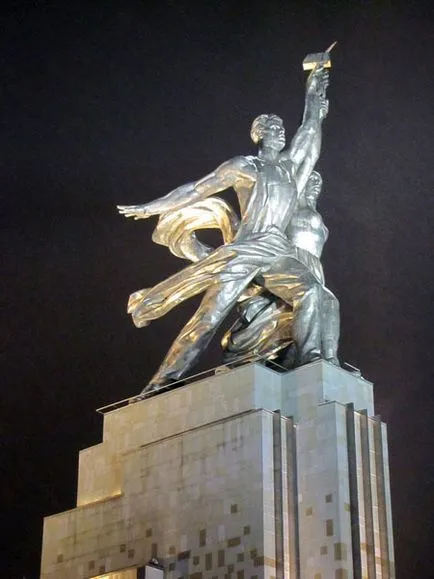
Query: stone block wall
[249, 474]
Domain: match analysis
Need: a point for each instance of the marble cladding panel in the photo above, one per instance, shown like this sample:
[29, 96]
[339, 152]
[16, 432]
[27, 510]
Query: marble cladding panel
[199, 403]
[99, 474]
[374, 499]
[344, 387]
[380, 491]
[387, 501]
[197, 477]
[194, 501]
[323, 491]
[307, 387]
[297, 394]
[360, 495]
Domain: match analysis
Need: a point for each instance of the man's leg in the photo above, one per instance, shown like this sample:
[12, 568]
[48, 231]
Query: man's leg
[198, 332]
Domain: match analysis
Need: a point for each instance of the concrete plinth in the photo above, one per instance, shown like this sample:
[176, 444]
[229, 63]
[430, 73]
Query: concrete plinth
[248, 474]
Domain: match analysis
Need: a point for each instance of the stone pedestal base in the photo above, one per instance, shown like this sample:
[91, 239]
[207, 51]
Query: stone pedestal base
[248, 474]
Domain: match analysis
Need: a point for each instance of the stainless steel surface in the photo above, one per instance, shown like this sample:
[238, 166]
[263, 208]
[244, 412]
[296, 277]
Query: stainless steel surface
[274, 248]
[265, 325]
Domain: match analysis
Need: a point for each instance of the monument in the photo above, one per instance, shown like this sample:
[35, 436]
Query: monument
[274, 465]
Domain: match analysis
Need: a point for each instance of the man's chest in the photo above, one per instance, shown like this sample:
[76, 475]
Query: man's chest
[272, 175]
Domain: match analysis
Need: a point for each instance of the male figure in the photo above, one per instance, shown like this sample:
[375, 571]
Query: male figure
[268, 188]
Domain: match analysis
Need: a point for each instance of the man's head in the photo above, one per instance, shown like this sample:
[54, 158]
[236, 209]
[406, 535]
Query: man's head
[268, 131]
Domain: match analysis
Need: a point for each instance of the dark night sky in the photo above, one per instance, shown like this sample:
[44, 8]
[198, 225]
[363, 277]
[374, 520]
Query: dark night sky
[107, 103]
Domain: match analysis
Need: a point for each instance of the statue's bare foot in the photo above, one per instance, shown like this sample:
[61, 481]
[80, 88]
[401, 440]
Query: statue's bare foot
[333, 360]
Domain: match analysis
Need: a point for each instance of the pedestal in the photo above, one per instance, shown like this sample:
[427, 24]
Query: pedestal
[248, 474]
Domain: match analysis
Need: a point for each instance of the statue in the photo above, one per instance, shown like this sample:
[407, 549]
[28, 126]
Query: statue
[258, 254]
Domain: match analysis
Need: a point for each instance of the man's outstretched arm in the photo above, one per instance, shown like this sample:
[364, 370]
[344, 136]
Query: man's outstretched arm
[225, 176]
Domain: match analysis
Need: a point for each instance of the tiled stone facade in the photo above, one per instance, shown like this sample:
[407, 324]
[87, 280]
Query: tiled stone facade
[249, 474]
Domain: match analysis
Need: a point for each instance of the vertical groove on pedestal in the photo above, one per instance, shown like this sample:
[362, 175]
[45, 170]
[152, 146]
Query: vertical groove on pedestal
[381, 499]
[278, 492]
[367, 494]
[387, 506]
[354, 497]
[291, 481]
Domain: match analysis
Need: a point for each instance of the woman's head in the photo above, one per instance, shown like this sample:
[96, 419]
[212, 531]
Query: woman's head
[313, 187]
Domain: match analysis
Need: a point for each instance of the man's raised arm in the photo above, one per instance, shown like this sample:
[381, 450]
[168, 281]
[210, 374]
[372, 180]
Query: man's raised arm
[225, 176]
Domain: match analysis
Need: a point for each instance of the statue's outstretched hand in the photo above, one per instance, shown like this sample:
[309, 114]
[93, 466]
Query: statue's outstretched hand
[182, 196]
[135, 211]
